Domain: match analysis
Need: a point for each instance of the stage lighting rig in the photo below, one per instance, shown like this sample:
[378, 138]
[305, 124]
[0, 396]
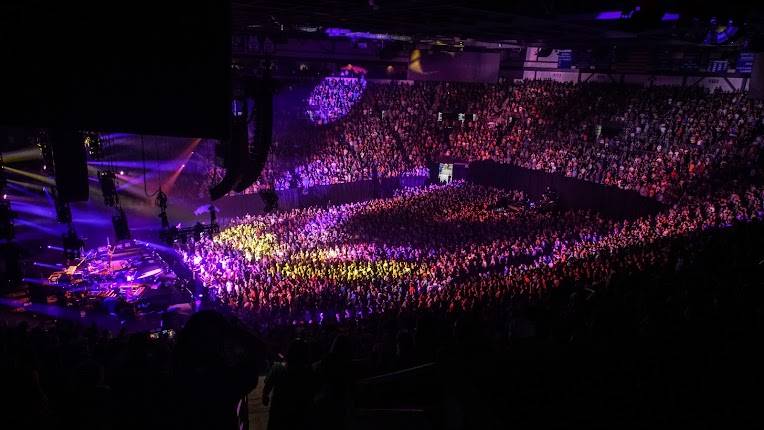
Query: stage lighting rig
[46, 150]
[107, 180]
[6, 220]
[63, 211]
[161, 202]
[3, 177]
[72, 244]
[93, 145]
[120, 225]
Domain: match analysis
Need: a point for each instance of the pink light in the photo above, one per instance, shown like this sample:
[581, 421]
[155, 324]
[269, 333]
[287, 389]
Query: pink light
[170, 182]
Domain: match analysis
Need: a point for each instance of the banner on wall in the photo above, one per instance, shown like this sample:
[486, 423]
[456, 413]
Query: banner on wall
[564, 59]
[745, 62]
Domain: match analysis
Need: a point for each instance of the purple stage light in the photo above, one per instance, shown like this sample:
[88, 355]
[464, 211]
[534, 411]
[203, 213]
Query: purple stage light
[156, 246]
[49, 266]
[336, 32]
[670, 16]
[344, 32]
[609, 15]
[34, 209]
[37, 281]
[134, 165]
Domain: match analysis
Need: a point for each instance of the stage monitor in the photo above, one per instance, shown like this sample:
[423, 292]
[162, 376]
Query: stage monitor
[143, 66]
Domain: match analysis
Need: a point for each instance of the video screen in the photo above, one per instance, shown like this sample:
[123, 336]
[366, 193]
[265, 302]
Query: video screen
[445, 172]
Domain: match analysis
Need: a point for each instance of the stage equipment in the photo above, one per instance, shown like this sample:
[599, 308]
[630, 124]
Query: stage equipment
[182, 235]
[161, 202]
[120, 225]
[6, 219]
[40, 138]
[107, 179]
[63, 211]
[3, 177]
[71, 170]
[10, 269]
[242, 159]
[72, 244]
[93, 144]
[234, 152]
[262, 94]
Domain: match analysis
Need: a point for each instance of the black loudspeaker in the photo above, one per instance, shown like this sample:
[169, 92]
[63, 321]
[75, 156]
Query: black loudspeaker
[120, 225]
[757, 77]
[261, 144]
[244, 162]
[70, 164]
[6, 220]
[235, 153]
[10, 269]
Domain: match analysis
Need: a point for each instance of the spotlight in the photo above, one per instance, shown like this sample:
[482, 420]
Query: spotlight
[121, 172]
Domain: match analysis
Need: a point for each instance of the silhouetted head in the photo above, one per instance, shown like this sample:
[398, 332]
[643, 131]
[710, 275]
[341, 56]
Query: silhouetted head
[297, 354]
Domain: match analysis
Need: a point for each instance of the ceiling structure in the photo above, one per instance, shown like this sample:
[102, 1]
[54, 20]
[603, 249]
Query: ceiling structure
[526, 22]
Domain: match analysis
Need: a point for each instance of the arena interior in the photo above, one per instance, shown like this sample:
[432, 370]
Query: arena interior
[381, 214]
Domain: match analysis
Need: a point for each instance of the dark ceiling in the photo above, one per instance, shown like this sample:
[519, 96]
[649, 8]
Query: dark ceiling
[526, 21]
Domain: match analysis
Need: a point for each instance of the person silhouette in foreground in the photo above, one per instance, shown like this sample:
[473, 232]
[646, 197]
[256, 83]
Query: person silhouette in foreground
[216, 364]
[334, 379]
[289, 389]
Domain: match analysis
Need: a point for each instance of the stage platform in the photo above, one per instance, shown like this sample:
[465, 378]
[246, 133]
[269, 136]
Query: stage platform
[129, 272]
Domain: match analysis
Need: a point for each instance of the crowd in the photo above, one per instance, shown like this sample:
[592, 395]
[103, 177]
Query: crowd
[525, 308]
[445, 247]
[389, 271]
[557, 306]
[663, 142]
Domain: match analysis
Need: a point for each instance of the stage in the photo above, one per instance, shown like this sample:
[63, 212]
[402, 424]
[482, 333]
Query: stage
[130, 276]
